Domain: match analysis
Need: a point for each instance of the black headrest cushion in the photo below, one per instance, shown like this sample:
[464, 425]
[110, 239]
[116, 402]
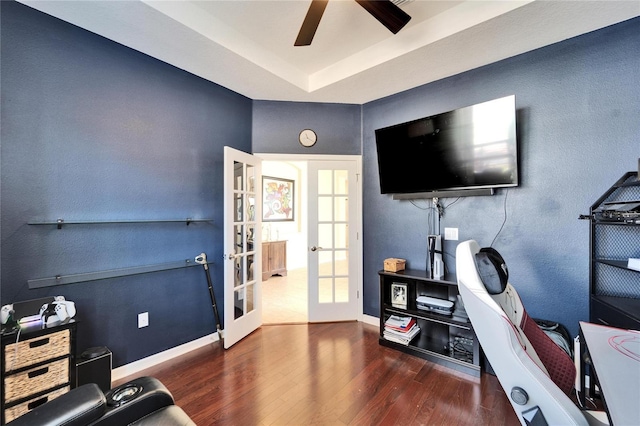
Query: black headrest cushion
[492, 270]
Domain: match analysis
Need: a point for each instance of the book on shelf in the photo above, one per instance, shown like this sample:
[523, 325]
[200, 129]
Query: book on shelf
[399, 323]
[409, 333]
[400, 329]
[400, 337]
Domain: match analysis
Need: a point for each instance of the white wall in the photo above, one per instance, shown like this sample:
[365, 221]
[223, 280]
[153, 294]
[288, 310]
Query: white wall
[295, 232]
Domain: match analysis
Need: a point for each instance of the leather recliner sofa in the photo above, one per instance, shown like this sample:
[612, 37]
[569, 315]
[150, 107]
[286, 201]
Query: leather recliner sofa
[143, 402]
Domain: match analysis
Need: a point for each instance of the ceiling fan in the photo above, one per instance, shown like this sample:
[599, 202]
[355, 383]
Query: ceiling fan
[389, 15]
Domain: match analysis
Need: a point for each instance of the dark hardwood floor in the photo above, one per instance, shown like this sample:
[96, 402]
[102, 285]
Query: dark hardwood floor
[326, 374]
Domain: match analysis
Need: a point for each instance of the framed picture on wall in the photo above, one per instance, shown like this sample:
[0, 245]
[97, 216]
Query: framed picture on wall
[277, 199]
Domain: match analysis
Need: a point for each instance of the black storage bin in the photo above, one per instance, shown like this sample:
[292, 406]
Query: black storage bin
[94, 366]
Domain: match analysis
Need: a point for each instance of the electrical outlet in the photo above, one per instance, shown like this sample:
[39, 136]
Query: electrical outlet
[451, 234]
[143, 320]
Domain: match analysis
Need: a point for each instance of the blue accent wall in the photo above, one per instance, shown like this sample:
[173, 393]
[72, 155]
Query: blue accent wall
[92, 130]
[276, 126]
[578, 104]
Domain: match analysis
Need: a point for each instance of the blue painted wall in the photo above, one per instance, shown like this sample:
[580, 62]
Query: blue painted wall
[276, 126]
[92, 130]
[578, 104]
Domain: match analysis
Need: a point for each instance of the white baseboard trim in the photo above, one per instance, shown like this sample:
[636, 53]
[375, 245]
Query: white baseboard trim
[368, 319]
[150, 361]
[153, 360]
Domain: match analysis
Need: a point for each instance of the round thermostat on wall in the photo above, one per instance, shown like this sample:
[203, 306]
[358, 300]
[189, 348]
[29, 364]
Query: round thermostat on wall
[308, 138]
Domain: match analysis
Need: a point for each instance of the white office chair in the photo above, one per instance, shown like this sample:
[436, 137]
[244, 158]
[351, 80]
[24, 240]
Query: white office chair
[535, 377]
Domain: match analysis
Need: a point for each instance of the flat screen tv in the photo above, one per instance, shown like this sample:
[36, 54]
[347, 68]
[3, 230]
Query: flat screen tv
[469, 148]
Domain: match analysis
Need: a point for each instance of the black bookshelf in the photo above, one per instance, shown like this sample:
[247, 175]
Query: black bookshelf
[444, 339]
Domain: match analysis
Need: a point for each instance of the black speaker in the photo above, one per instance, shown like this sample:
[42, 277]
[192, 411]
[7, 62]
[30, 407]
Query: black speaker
[94, 366]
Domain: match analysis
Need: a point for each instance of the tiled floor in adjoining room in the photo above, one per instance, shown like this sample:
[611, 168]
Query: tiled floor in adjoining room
[284, 299]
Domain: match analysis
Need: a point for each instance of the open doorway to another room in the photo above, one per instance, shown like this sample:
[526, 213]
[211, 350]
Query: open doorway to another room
[284, 250]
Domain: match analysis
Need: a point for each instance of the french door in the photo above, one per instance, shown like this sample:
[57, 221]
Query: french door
[242, 245]
[333, 238]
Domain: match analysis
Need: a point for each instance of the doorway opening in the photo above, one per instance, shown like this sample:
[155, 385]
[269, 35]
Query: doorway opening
[284, 281]
[321, 276]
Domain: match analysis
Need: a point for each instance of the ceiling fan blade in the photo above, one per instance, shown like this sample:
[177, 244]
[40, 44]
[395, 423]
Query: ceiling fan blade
[310, 23]
[389, 15]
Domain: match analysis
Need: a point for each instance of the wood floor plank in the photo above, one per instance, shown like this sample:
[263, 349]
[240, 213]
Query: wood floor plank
[390, 392]
[405, 410]
[326, 374]
[352, 392]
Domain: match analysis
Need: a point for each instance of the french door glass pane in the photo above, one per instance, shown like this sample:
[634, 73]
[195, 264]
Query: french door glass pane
[250, 297]
[250, 268]
[325, 263]
[239, 274]
[341, 262]
[325, 235]
[251, 233]
[341, 182]
[325, 290]
[239, 207]
[251, 179]
[341, 211]
[341, 235]
[239, 243]
[324, 209]
[238, 303]
[238, 181]
[325, 182]
[342, 289]
[250, 213]
[251, 194]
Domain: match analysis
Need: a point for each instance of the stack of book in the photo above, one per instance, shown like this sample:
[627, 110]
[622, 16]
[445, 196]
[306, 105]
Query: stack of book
[400, 329]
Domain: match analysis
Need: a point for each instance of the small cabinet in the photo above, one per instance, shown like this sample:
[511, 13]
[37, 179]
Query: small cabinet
[274, 259]
[444, 338]
[38, 365]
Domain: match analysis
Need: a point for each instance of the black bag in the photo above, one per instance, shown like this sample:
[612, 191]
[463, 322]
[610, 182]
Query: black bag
[558, 333]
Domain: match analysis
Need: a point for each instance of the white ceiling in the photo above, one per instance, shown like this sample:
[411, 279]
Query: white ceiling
[247, 45]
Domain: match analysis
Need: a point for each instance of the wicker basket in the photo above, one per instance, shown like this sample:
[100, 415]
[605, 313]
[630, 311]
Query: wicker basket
[20, 409]
[36, 380]
[38, 349]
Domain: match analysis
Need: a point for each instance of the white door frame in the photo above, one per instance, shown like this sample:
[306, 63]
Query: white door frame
[357, 217]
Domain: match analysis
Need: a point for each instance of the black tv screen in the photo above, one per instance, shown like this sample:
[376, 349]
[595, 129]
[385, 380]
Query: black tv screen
[468, 148]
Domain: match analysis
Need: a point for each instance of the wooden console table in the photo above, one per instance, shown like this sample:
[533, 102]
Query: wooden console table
[274, 259]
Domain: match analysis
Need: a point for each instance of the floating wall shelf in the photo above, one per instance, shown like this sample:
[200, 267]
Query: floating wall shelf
[113, 273]
[60, 222]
